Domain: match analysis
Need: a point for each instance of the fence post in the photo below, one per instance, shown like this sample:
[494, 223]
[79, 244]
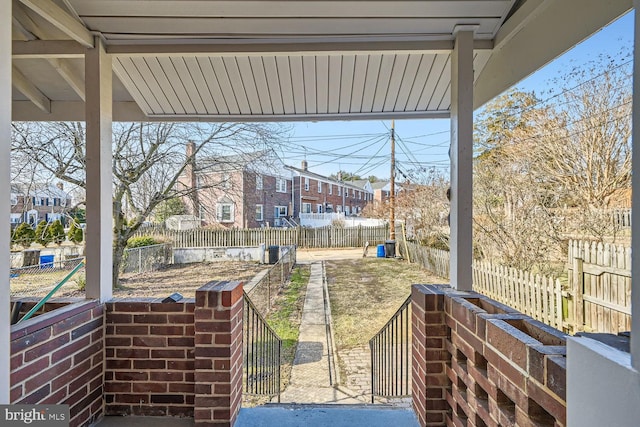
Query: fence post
[578, 292]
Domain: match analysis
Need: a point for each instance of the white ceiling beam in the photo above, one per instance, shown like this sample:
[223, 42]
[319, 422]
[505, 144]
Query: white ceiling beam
[528, 43]
[62, 20]
[207, 47]
[29, 90]
[130, 111]
[38, 49]
[123, 111]
[71, 76]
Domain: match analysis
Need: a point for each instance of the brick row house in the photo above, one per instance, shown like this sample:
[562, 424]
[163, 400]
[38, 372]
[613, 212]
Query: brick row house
[314, 193]
[257, 189]
[247, 190]
[32, 203]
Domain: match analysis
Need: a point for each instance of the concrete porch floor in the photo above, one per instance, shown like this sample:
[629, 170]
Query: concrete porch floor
[290, 415]
[326, 415]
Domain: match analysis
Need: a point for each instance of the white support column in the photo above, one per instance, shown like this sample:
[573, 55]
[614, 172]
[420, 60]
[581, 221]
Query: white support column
[635, 200]
[5, 190]
[461, 153]
[99, 249]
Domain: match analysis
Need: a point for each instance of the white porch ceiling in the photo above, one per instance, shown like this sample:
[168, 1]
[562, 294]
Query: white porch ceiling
[259, 59]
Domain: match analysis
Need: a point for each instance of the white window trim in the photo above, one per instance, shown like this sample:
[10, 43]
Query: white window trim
[281, 185]
[319, 186]
[339, 191]
[306, 208]
[220, 212]
[330, 188]
[306, 184]
[259, 213]
[280, 211]
[259, 182]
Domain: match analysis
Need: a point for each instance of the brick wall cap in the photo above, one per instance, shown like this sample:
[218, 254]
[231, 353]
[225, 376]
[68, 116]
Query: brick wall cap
[218, 286]
[430, 289]
[45, 320]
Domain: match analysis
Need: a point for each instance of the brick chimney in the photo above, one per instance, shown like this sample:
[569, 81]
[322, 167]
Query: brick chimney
[305, 165]
[191, 181]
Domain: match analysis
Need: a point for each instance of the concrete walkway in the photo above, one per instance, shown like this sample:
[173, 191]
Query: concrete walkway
[311, 380]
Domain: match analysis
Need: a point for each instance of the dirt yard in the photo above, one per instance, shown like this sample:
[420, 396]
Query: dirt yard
[184, 278]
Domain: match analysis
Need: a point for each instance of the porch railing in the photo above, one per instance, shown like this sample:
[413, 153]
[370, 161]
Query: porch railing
[391, 356]
[261, 349]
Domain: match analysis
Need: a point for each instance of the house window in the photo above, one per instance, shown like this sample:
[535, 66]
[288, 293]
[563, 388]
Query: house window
[259, 212]
[339, 191]
[201, 212]
[339, 208]
[330, 188]
[225, 212]
[37, 201]
[346, 210]
[359, 195]
[259, 184]
[49, 202]
[306, 208]
[279, 211]
[306, 184]
[14, 200]
[319, 187]
[281, 185]
[319, 208]
[15, 218]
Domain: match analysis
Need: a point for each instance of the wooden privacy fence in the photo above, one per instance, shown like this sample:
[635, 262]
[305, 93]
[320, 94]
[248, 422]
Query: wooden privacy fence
[537, 296]
[434, 260]
[325, 237]
[599, 280]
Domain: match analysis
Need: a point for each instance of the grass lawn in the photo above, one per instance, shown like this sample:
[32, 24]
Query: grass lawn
[366, 292]
[286, 316]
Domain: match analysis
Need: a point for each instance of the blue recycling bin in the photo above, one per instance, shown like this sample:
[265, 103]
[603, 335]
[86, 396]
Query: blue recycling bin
[380, 252]
[46, 261]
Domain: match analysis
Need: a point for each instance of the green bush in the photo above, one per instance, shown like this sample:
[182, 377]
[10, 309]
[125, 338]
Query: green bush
[56, 232]
[23, 235]
[137, 242]
[75, 233]
[42, 235]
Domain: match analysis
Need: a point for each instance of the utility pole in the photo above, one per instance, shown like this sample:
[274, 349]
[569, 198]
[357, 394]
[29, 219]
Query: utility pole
[392, 195]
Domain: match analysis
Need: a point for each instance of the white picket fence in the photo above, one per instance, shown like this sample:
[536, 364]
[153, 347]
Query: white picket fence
[537, 296]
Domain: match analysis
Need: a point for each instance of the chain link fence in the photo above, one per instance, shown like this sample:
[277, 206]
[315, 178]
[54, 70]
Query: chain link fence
[39, 280]
[146, 258]
[267, 289]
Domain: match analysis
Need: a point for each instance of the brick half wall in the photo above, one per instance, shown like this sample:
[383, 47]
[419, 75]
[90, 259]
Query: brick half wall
[477, 362]
[149, 351]
[57, 358]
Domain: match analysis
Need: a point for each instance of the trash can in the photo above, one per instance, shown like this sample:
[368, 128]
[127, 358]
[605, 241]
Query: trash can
[380, 251]
[390, 248]
[46, 261]
[273, 254]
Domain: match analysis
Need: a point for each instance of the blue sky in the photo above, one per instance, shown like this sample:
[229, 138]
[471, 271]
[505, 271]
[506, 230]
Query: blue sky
[363, 146]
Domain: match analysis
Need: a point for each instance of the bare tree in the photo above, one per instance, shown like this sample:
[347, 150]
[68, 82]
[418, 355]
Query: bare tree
[546, 171]
[148, 160]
